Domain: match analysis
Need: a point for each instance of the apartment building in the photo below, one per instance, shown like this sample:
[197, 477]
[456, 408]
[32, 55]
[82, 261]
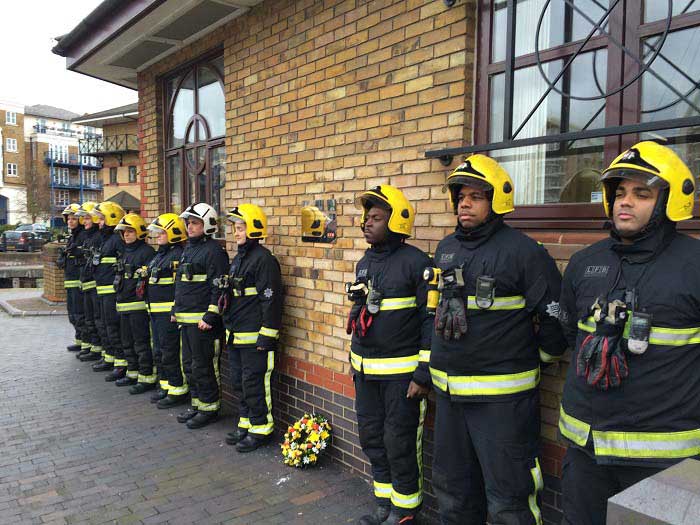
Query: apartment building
[13, 190]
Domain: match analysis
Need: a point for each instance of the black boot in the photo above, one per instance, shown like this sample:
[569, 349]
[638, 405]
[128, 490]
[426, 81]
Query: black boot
[83, 353]
[237, 435]
[202, 419]
[401, 518]
[186, 415]
[102, 366]
[141, 388]
[252, 442]
[117, 373]
[158, 395]
[380, 515]
[91, 356]
[170, 401]
[74, 348]
[126, 381]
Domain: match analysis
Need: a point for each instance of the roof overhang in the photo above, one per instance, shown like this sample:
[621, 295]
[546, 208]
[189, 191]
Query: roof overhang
[120, 38]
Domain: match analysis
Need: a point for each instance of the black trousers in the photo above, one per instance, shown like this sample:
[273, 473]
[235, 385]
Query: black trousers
[91, 312]
[586, 486]
[76, 312]
[111, 332]
[136, 342]
[200, 359]
[391, 434]
[485, 459]
[166, 353]
[251, 372]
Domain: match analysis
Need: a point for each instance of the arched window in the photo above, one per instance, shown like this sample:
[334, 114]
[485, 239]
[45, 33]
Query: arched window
[195, 126]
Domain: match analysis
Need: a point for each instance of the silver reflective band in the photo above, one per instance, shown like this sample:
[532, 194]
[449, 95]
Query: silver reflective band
[572, 428]
[515, 302]
[647, 444]
[397, 303]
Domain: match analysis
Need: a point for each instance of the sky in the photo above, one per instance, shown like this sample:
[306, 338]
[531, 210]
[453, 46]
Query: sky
[32, 74]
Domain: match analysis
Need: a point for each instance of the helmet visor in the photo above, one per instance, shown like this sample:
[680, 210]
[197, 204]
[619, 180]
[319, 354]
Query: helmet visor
[367, 200]
[466, 180]
[615, 175]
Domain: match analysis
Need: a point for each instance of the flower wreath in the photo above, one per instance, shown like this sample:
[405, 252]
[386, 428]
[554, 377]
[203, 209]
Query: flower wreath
[306, 440]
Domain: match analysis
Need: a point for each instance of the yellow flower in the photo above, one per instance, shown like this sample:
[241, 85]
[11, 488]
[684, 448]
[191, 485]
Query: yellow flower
[324, 435]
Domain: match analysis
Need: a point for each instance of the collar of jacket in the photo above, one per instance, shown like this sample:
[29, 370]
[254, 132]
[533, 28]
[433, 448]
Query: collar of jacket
[392, 243]
[75, 231]
[647, 246]
[193, 241]
[247, 246]
[474, 237]
[93, 230]
[106, 231]
[164, 248]
[134, 245]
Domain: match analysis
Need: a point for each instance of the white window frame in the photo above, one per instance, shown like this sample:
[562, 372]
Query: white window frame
[11, 145]
[61, 197]
[12, 169]
[11, 118]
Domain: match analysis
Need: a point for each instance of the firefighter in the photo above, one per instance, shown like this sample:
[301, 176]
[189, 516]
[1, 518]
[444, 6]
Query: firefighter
[498, 305]
[196, 311]
[130, 283]
[92, 344]
[104, 261]
[70, 261]
[631, 402]
[170, 234]
[252, 320]
[391, 332]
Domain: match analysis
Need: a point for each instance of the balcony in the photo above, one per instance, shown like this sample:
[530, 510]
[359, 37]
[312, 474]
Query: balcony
[71, 161]
[111, 145]
[73, 183]
[63, 132]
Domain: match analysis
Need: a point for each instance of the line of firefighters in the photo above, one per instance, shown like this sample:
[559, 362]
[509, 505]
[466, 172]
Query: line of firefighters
[476, 322]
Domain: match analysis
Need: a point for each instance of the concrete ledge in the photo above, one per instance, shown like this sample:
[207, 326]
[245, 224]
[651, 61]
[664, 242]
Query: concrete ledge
[16, 312]
[10, 272]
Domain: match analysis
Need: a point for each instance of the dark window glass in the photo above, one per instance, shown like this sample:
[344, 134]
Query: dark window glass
[132, 174]
[112, 175]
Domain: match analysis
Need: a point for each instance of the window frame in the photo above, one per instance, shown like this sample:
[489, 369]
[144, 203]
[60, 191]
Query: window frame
[133, 171]
[113, 175]
[630, 31]
[11, 118]
[8, 141]
[12, 169]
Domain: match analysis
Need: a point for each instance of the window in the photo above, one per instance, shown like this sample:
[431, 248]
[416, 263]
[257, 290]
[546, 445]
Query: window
[90, 196]
[195, 126]
[11, 118]
[61, 197]
[580, 81]
[11, 169]
[11, 145]
[41, 125]
[90, 178]
[58, 152]
[60, 176]
[112, 175]
[132, 174]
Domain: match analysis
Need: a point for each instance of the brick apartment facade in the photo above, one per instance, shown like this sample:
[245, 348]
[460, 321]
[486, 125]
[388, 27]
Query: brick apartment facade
[324, 99]
[13, 192]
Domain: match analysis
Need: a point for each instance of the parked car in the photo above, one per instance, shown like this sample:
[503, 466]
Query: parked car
[21, 241]
[38, 229]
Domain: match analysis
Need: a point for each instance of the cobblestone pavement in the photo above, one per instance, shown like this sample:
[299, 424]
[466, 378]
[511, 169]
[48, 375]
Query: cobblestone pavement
[75, 449]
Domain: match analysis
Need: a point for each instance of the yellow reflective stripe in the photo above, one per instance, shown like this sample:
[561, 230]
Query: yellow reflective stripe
[108, 358]
[547, 358]
[247, 291]
[178, 390]
[147, 379]
[132, 374]
[382, 490]
[96, 349]
[538, 483]
[121, 362]
[245, 338]
[131, 307]
[658, 335]
[397, 303]
[188, 317]
[85, 346]
[105, 289]
[515, 302]
[406, 501]
[108, 260]
[243, 422]
[162, 280]
[269, 332]
[88, 285]
[213, 309]
[71, 283]
[424, 356]
[384, 365]
[164, 385]
[647, 444]
[491, 385]
[573, 429]
[160, 307]
[196, 278]
[269, 426]
[439, 378]
[208, 407]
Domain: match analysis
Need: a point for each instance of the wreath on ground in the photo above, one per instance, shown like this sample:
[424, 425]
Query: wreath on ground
[306, 440]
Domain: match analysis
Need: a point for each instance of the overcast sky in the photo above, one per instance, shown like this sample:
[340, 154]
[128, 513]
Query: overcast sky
[32, 74]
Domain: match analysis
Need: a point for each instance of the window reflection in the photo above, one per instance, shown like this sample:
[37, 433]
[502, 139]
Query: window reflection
[211, 99]
[183, 109]
[658, 9]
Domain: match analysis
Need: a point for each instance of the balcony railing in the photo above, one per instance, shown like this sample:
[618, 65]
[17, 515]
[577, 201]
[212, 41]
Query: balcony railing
[110, 145]
[64, 132]
[72, 160]
[74, 183]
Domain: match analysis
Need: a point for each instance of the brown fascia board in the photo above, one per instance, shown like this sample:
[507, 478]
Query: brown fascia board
[106, 22]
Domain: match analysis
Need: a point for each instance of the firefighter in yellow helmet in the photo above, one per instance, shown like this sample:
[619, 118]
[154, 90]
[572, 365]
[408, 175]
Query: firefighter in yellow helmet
[104, 261]
[170, 234]
[69, 261]
[495, 320]
[629, 308]
[390, 348]
[130, 283]
[253, 320]
[91, 342]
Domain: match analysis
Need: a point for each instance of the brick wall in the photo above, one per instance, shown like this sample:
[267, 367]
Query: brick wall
[325, 99]
[10, 131]
[54, 290]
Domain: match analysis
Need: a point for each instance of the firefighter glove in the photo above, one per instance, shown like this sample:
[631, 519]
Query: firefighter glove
[451, 315]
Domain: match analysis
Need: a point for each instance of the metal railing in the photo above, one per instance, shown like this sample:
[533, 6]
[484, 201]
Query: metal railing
[64, 132]
[62, 159]
[110, 144]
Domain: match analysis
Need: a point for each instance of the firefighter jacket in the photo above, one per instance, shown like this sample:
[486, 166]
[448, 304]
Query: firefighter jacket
[397, 342]
[160, 287]
[105, 260]
[196, 295]
[254, 316]
[131, 276]
[73, 258]
[499, 355]
[92, 241]
[653, 418]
